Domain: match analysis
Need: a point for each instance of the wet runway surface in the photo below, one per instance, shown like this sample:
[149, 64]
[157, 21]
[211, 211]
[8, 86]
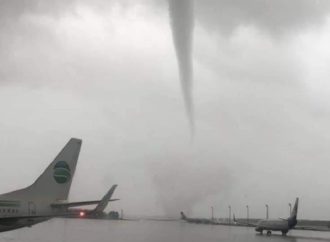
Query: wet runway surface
[74, 230]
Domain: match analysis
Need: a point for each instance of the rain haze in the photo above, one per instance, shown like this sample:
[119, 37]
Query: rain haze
[251, 79]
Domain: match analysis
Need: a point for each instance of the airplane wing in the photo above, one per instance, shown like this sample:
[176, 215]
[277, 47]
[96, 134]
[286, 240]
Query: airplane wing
[248, 224]
[311, 228]
[78, 204]
[101, 204]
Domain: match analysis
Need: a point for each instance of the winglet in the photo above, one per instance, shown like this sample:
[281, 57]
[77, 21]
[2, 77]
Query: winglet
[105, 200]
[183, 216]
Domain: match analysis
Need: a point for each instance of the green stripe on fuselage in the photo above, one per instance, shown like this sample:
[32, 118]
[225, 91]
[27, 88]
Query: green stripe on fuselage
[5, 203]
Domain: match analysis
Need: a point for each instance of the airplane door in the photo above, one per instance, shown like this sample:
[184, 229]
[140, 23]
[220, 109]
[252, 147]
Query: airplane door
[32, 208]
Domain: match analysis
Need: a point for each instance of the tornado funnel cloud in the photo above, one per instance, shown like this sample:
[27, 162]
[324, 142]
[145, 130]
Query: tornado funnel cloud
[182, 24]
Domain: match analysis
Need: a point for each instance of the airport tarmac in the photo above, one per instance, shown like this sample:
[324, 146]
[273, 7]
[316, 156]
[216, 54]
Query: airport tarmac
[85, 230]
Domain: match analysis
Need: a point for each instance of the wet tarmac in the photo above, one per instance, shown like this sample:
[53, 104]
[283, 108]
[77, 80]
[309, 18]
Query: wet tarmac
[83, 230]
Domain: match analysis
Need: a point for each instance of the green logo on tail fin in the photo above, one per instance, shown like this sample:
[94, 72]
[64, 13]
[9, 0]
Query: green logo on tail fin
[62, 172]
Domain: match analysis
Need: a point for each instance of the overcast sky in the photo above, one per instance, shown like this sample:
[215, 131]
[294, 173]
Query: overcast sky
[106, 71]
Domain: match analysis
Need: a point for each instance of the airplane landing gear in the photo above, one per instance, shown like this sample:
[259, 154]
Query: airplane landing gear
[284, 232]
[269, 233]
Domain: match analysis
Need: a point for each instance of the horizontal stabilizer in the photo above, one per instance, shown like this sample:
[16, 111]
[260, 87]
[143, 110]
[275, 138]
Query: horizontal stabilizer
[78, 204]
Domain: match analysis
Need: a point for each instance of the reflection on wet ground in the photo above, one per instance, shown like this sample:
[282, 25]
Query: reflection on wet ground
[83, 230]
[294, 237]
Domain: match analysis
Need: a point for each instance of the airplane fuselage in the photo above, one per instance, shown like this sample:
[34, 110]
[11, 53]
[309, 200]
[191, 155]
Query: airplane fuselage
[16, 214]
[273, 225]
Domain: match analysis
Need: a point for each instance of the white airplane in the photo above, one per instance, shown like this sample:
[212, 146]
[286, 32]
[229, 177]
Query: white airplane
[283, 225]
[46, 197]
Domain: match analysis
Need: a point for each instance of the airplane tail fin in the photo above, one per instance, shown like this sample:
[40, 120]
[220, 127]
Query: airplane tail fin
[183, 216]
[55, 182]
[293, 216]
[295, 209]
[105, 200]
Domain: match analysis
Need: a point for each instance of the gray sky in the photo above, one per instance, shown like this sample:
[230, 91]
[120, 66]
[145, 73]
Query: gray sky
[106, 72]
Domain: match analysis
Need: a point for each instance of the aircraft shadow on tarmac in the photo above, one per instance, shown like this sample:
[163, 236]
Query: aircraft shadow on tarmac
[293, 238]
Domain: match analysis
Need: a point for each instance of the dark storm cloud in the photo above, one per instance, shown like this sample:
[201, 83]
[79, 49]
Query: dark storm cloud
[30, 47]
[275, 17]
[11, 9]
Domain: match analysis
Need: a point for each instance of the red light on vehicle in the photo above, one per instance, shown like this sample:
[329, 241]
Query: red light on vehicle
[82, 214]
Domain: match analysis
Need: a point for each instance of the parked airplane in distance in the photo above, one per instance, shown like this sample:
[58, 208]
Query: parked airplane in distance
[46, 197]
[197, 220]
[97, 212]
[283, 225]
